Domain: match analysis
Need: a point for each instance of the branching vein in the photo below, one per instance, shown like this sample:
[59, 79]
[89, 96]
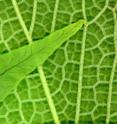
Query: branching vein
[100, 13]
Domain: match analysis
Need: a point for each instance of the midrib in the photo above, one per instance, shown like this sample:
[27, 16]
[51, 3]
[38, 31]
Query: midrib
[28, 35]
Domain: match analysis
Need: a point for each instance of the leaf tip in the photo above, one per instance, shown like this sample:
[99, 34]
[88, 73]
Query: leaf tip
[81, 22]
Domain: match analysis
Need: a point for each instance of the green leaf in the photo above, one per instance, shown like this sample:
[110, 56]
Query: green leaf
[81, 74]
[15, 65]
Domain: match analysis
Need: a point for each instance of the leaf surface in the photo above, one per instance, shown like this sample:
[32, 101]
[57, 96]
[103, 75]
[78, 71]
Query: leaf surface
[81, 74]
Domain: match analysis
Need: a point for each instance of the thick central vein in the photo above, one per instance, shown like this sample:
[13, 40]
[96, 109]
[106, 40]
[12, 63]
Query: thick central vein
[112, 72]
[40, 69]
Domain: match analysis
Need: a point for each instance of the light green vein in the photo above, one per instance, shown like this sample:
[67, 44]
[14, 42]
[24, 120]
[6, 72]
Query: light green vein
[112, 72]
[40, 69]
[84, 10]
[34, 12]
[48, 95]
[100, 13]
[2, 37]
[54, 15]
[52, 106]
[22, 23]
[79, 93]
[43, 78]
[33, 18]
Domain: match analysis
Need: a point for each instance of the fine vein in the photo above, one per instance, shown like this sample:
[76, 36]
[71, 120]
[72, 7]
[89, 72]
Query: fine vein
[40, 69]
[113, 71]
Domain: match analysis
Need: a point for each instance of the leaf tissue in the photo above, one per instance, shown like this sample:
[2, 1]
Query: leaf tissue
[54, 70]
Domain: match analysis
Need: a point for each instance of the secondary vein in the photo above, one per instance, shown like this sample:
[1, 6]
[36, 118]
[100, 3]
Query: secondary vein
[33, 18]
[79, 93]
[48, 95]
[47, 91]
[54, 15]
[22, 23]
[112, 72]
[40, 69]
[80, 78]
